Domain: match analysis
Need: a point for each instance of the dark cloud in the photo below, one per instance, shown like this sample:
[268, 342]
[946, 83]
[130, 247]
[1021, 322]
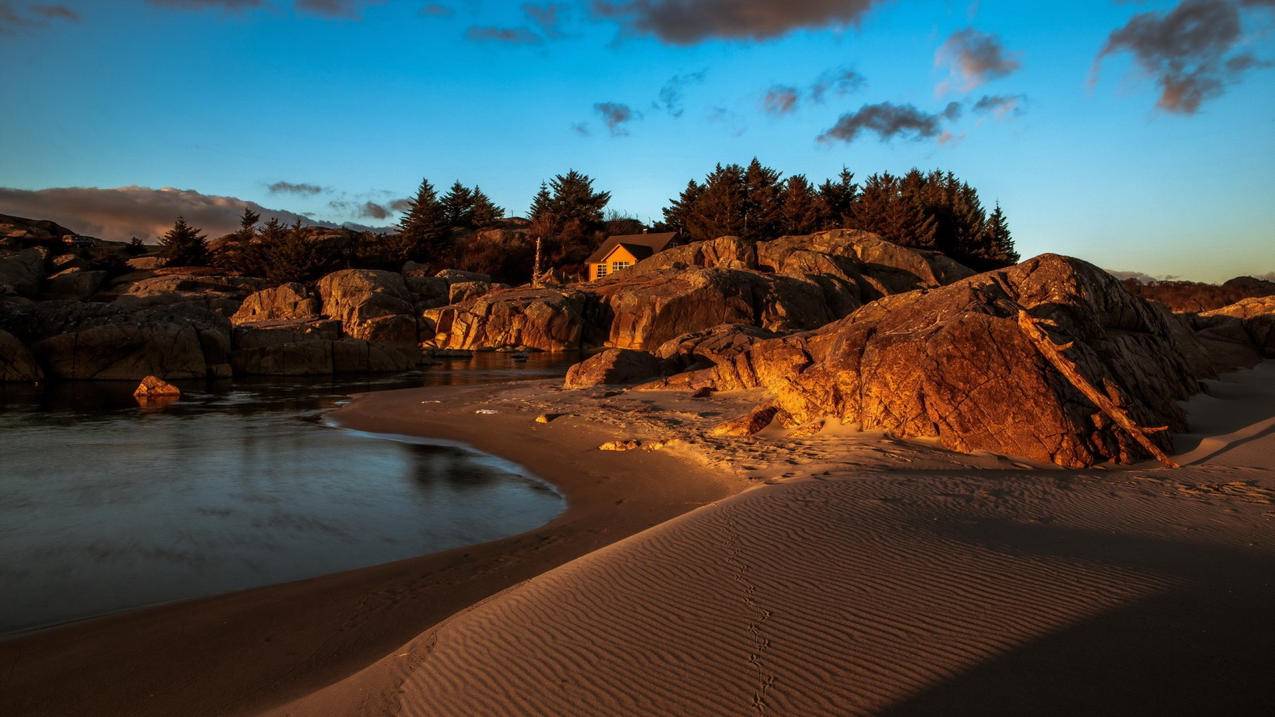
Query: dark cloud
[686, 22]
[34, 16]
[838, 81]
[974, 58]
[436, 10]
[401, 205]
[1001, 105]
[124, 212]
[780, 100]
[889, 120]
[372, 210]
[302, 188]
[1186, 50]
[202, 4]
[547, 17]
[56, 12]
[348, 9]
[504, 35]
[615, 116]
[671, 94]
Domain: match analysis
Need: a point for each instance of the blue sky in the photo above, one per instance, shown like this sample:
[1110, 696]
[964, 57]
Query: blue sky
[362, 99]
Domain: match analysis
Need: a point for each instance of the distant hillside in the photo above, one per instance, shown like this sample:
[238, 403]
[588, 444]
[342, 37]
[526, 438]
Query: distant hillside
[1195, 297]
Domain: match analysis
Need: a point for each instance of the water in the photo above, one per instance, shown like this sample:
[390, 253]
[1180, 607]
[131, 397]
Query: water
[105, 506]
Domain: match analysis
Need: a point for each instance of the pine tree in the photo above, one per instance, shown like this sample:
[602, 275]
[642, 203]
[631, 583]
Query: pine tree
[838, 199]
[248, 220]
[677, 214]
[802, 212]
[423, 230]
[184, 245]
[458, 206]
[721, 207]
[997, 241]
[484, 212]
[569, 217]
[763, 210]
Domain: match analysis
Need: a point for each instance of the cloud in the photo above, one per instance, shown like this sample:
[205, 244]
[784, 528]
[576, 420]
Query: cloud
[348, 9]
[228, 5]
[582, 129]
[1186, 50]
[363, 210]
[671, 94]
[889, 120]
[780, 100]
[615, 116]
[503, 35]
[733, 122]
[56, 12]
[124, 212]
[547, 17]
[400, 205]
[839, 81]
[436, 10]
[300, 188]
[974, 58]
[687, 22]
[35, 16]
[1001, 105]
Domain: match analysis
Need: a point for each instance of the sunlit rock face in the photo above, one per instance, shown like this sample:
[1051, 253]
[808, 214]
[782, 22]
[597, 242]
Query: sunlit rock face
[952, 363]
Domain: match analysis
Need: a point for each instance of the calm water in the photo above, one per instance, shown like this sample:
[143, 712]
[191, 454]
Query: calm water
[105, 506]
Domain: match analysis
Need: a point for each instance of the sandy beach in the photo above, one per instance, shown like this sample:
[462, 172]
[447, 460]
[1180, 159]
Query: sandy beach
[833, 573]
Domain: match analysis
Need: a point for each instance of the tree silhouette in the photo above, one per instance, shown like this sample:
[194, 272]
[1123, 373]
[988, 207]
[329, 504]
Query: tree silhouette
[458, 206]
[484, 212]
[423, 229]
[184, 245]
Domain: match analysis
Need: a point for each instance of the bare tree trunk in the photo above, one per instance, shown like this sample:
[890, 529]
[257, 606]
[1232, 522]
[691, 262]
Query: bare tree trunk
[535, 269]
[1054, 354]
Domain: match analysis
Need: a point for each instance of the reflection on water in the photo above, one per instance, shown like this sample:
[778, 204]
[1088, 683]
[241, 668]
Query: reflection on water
[105, 505]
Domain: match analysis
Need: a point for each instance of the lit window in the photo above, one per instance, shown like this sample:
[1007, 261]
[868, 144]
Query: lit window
[602, 270]
[616, 266]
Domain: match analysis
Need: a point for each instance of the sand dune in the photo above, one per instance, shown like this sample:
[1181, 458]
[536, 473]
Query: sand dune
[931, 589]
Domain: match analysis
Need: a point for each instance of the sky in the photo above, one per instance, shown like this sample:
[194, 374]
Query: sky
[1136, 135]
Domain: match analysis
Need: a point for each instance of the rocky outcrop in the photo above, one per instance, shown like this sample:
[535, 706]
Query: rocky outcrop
[74, 283]
[213, 289]
[1241, 334]
[613, 366]
[286, 302]
[313, 348]
[465, 290]
[543, 319]
[790, 284]
[953, 363]
[371, 305]
[16, 362]
[22, 272]
[153, 387]
[710, 347]
[107, 342]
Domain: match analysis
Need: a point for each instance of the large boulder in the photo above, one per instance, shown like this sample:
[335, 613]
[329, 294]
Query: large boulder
[74, 283]
[545, 319]
[16, 362]
[613, 366]
[108, 342]
[286, 302]
[712, 346]
[953, 363]
[1240, 334]
[465, 290]
[21, 272]
[312, 348]
[371, 305]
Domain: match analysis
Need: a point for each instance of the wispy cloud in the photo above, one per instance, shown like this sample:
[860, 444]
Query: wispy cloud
[973, 59]
[1186, 49]
[29, 17]
[543, 22]
[780, 100]
[1001, 105]
[616, 116]
[299, 188]
[230, 5]
[682, 22]
[672, 94]
[888, 121]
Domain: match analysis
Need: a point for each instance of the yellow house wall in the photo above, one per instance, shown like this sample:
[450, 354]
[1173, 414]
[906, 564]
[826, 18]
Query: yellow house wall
[617, 255]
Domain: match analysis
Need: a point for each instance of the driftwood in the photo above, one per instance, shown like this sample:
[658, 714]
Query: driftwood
[1054, 354]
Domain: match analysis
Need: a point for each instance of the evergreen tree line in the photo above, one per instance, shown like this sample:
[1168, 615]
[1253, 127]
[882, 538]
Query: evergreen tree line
[929, 211]
[932, 210]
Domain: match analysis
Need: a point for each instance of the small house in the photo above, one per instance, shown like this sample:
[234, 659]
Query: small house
[620, 252]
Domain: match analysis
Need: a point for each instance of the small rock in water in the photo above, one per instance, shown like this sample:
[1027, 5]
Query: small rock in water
[629, 445]
[156, 387]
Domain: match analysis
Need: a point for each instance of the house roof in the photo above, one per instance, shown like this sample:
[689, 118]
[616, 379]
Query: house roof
[639, 245]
